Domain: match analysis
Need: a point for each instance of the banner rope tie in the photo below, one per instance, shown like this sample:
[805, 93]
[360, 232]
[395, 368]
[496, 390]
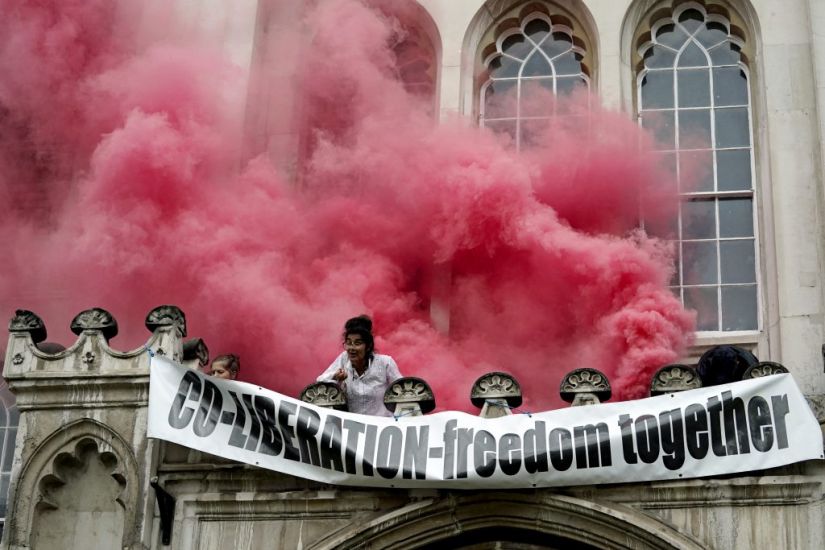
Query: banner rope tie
[397, 416]
[514, 409]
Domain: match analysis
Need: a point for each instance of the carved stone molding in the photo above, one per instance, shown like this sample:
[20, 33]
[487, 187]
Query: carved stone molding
[764, 368]
[70, 393]
[27, 321]
[496, 386]
[95, 319]
[44, 468]
[674, 378]
[61, 468]
[164, 316]
[195, 349]
[407, 391]
[568, 521]
[325, 394]
[777, 489]
[585, 387]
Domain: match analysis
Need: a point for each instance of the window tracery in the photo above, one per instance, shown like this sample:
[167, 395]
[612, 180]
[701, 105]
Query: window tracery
[693, 94]
[533, 57]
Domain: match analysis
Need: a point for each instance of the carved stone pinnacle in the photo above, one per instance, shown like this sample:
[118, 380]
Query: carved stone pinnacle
[164, 316]
[585, 381]
[764, 368]
[410, 389]
[674, 378]
[325, 394]
[496, 385]
[95, 319]
[27, 321]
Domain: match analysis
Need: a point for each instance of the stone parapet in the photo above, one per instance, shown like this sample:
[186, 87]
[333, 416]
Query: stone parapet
[86, 476]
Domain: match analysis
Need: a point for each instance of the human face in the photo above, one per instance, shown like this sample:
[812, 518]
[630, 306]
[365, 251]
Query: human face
[221, 371]
[356, 349]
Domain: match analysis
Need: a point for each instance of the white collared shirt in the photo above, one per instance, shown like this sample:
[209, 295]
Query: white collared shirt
[365, 393]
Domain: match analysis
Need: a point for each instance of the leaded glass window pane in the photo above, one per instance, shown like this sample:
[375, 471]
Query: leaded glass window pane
[739, 308]
[693, 96]
[657, 90]
[528, 68]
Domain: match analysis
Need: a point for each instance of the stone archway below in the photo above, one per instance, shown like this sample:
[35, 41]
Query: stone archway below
[514, 521]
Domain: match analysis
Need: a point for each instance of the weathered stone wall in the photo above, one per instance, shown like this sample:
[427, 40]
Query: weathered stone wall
[85, 476]
[83, 462]
[221, 505]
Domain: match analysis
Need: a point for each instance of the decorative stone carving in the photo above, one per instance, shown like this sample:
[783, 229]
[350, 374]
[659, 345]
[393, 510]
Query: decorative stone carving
[496, 393]
[89, 357]
[585, 387]
[674, 378]
[448, 520]
[195, 351]
[409, 396]
[164, 316]
[80, 488]
[95, 319]
[764, 368]
[496, 385]
[84, 488]
[17, 359]
[27, 321]
[325, 394]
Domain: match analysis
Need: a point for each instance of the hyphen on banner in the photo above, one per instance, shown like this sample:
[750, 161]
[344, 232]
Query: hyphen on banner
[738, 427]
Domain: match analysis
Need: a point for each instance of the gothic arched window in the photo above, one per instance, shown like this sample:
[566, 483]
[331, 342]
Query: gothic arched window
[693, 94]
[532, 57]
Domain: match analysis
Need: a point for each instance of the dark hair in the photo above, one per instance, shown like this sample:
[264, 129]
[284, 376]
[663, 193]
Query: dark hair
[232, 362]
[362, 326]
[724, 364]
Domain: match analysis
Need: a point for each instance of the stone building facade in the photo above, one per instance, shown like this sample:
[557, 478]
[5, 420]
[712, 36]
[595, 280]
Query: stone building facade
[86, 476]
[756, 86]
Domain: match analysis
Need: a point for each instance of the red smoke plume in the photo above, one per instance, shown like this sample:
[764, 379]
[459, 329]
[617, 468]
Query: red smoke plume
[122, 190]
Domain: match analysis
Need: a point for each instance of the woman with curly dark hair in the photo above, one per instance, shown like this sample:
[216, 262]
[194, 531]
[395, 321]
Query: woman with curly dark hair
[363, 374]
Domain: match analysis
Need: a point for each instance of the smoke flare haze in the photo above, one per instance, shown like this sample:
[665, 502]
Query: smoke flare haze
[122, 189]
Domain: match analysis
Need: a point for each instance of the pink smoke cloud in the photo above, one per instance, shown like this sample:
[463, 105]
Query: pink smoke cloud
[128, 195]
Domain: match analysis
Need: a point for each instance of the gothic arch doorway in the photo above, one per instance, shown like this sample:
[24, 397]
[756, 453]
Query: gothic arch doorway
[512, 521]
[506, 538]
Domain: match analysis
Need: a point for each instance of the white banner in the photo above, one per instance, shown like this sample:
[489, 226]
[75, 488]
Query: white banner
[748, 425]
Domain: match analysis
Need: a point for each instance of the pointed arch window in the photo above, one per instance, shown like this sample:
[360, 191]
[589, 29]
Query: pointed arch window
[534, 56]
[693, 94]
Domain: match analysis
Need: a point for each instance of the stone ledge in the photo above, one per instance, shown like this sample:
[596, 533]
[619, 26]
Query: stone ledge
[80, 393]
[783, 490]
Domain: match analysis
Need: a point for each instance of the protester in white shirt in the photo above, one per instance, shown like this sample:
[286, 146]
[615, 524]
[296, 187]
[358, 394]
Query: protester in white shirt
[363, 374]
